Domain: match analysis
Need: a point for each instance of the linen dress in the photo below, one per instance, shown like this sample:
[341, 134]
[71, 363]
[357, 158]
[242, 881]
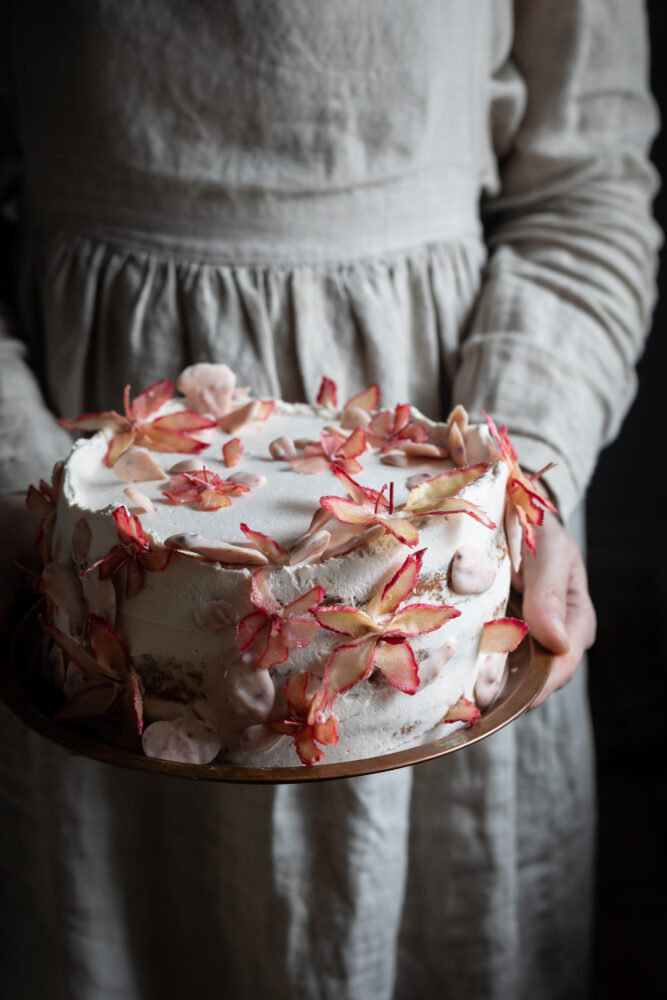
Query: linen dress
[449, 198]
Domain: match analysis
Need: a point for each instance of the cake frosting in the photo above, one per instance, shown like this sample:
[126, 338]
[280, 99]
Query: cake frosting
[270, 583]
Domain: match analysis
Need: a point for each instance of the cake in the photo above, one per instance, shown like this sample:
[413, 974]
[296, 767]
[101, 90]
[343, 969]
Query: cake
[266, 583]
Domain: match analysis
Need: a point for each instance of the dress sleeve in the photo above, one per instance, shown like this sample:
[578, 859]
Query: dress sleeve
[569, 286]
[31, 440]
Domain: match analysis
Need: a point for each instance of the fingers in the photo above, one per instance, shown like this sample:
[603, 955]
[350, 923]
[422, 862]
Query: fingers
[580, 625]
[556, 603]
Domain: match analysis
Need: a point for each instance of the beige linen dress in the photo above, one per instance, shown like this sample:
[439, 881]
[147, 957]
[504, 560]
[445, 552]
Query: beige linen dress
[447, 196]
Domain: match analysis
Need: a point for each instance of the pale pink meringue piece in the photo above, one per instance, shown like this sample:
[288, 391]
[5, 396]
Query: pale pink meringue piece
[216, 550]
[183, 741]
[251, 479]
[489, 678]
[431, 668]
[309, 548]
[136, 465]
[353, 417]
[416, 480]
[318, 520]
[246, 692]
[472, 571]
[423, 449]
[396, 457]
[282, 449]
[216, 615]
[208, 388]
[301, 443]
[142, 503]
[81, 537]
[187, 465]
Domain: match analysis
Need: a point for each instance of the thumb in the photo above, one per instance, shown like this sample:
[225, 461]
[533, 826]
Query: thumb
[546, 579]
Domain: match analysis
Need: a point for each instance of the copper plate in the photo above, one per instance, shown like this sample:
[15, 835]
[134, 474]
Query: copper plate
[527, 672]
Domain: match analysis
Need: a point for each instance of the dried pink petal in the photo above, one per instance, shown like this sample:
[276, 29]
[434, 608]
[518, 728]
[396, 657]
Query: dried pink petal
[216, 550]
[309, 548]
[81, 537]
[232, 451]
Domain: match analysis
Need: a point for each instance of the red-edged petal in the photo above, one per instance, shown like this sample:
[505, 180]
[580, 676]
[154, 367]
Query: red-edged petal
[236, 418]
[93, 422]
[38, 504]
[249, 628]
[355, 444]
[306, 602]
[306, 747]
[156, 560]
[181, 420]
[211, 499]
[368, 400]
[118, 445]
[397, 662]
[381, 427]
[134, 579]
[261, 594]
[295, 693]
[360, 494]
[163, 439]
[265, 409]
[399, 588]
[151, 399]
[327, 394]
[276, 651]
[430, 493]
[347, 665]
[502, 635]
[93, 670]
[310, 465]
[274, 553]
[348, 511]
[129, 528]
[463, 711]
[109, 564]
[137, 700]
[417, 619]
[232, 451]
[399, 527]
[109, 651]
[459, 506]
[401, 417]
[90, 704]
[326, 732]
[345, 620]
[298, 632]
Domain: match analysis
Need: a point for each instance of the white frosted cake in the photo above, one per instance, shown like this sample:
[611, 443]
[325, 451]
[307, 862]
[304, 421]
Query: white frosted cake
[266, 583]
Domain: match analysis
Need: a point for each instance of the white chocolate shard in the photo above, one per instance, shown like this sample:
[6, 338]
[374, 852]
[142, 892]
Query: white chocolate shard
[137, 465]
[183, 741]
[489, 678]
[216, 615]
[309, 548]
[216, 550]
[282, 449]
[472, 571]
[81, 537]
[142, 503]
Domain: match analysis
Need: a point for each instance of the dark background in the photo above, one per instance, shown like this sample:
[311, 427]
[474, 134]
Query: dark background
[627, 559]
